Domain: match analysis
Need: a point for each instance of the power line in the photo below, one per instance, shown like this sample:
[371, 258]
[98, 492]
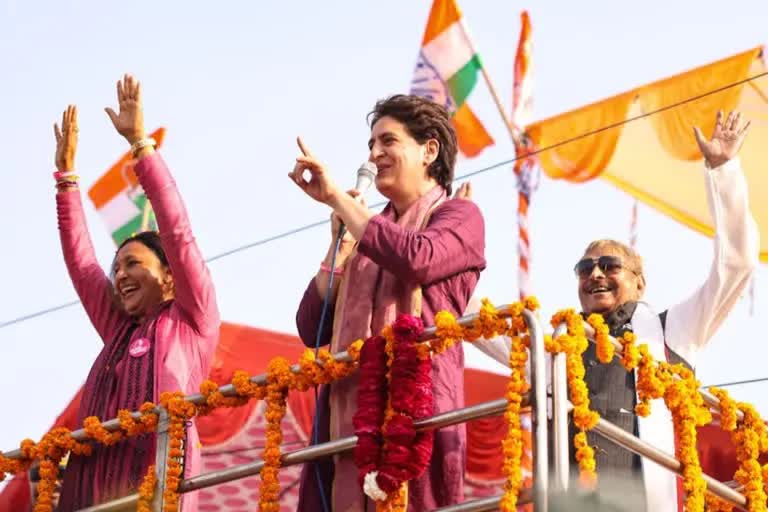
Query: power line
[736, 383]
[459, 178]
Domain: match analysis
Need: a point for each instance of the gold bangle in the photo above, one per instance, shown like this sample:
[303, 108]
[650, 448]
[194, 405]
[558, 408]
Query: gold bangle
[141, 144]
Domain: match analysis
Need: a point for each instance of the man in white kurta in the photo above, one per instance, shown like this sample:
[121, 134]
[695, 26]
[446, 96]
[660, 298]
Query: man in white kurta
[611, 282]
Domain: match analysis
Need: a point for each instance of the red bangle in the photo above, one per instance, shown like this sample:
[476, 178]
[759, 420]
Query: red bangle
[338, 271]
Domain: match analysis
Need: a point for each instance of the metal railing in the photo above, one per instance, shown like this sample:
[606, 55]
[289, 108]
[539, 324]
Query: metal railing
[561, 407]
[536, 399]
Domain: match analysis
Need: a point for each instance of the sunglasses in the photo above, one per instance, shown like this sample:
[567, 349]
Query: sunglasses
[606, 264]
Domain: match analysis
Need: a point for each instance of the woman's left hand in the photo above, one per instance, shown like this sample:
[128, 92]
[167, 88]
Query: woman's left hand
[320, 187]
[464, 191]
[130, 121]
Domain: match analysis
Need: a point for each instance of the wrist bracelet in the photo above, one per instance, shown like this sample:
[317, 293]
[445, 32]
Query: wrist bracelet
[67, 184]
[141, 144]
[338, 271]
[62, 175]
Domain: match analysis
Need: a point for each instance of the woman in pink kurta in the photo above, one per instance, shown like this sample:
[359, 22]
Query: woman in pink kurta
[422, 254]
[157, 315]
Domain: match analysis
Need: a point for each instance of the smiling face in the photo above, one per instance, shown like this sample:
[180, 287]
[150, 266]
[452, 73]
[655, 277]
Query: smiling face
[401, 161]
[141, 280]
[609, 275]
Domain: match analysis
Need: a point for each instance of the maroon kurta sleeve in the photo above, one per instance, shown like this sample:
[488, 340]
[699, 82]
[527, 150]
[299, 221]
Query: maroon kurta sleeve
[453, 242]
[308, 317]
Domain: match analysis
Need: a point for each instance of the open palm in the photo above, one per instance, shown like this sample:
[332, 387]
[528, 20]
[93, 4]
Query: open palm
[726, 140]
[129, 121]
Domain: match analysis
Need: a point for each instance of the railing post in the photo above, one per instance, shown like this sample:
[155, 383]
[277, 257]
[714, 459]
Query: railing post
[539, 415]
[161, 459]
[560, 445]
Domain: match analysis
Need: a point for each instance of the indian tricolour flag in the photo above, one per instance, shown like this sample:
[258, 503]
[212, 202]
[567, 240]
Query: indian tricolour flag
[447, 72]
[120, 200]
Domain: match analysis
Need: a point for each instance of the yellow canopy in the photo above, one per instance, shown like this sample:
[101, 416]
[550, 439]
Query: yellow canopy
[655, 158]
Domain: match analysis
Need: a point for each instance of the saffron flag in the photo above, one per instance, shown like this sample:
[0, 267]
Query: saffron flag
[120, 200]
[522, 96]
[447, 72]
[525, 167]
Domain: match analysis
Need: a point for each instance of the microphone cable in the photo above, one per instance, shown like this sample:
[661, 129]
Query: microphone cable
[320, 327]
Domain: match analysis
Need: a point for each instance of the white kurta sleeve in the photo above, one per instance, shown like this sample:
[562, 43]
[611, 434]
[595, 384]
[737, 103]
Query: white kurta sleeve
[691, 323]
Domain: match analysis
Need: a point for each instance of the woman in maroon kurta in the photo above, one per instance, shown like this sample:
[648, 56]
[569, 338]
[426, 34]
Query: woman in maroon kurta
[422, 254]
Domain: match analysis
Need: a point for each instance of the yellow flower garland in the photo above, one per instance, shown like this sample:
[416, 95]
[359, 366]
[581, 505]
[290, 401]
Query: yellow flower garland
[513, 443]
[675, 384]
[489, 324]
[605, 349]
[573, 343]
[279, 379]
[147, 490]
[750, 438]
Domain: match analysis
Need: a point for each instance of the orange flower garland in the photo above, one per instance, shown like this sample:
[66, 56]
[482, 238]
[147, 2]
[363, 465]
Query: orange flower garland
[676, 385]
[713, 503]
[147, 490]
[750, 438]
[573, 343]
[630, 355]
[513, 443]
[179, 411]
[279, 378]
[605, 349]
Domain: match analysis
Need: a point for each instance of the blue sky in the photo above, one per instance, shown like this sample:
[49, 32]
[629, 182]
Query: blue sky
[235, 84]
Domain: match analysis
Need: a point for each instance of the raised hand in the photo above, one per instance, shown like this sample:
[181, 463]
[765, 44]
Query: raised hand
[320, 187]
[464, 191]
[66, 140]
[726, 140]
[129, 122]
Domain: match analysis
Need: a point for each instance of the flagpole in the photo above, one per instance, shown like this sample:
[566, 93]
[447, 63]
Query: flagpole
[523, 198]
[492, 89]
[145, 215]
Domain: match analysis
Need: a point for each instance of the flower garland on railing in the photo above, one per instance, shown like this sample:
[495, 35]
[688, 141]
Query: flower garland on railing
[573, 343]
[395, 360]
[279, 379]
[488, 325]
[512, 446]
[147, 490]
[750, 438]
[179, 412]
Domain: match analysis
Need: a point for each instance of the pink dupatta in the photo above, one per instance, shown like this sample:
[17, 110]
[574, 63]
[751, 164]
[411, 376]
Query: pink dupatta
[369, 299]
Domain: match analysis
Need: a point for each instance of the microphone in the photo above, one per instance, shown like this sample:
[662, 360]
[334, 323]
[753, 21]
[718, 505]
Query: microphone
[365, 176]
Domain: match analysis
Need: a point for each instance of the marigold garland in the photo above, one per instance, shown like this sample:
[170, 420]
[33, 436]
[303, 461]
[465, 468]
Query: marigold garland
[750, 438]
[630, 355]
[714, 503]
[279, 378]
[489, 324]
[605, 349]
[147, 490]
[512, 445]
[573, 343]
[675, 384]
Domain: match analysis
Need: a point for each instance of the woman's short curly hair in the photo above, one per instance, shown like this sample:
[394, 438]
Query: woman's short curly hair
[424, 119]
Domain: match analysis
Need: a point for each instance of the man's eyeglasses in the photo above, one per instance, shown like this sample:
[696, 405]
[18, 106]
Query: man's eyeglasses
[606, 264]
